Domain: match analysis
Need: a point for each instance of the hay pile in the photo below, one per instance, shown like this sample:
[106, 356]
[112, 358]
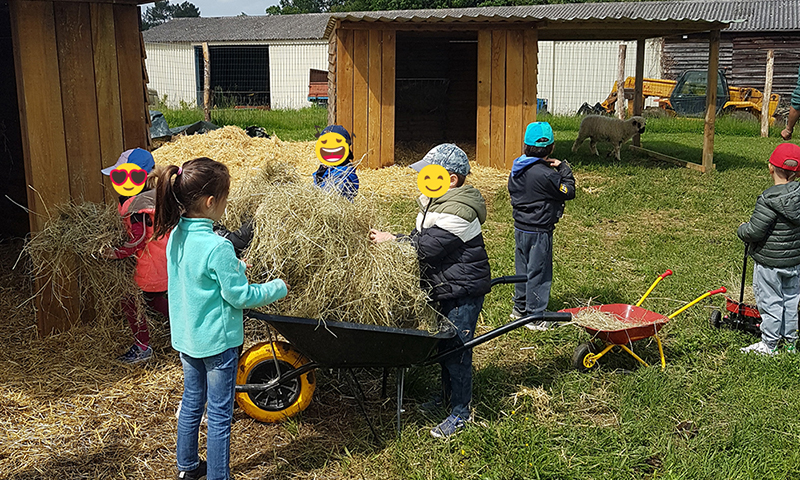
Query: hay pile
[603, 321]
[68, 252]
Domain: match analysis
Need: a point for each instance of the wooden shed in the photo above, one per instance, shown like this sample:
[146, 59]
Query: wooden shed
[387, 68]
[76, 71]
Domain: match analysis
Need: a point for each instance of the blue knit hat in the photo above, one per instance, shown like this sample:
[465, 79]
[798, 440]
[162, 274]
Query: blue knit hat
[539, 134]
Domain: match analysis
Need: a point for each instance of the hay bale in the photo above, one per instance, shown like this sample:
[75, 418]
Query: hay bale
[318, 243]
[67, 251]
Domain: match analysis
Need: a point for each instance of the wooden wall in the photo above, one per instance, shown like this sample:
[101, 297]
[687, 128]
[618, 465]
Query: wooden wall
[365, 92]
[83, 101]
[507, 67]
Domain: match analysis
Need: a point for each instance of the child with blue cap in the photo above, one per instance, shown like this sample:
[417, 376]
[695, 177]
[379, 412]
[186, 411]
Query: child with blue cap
[538, 187]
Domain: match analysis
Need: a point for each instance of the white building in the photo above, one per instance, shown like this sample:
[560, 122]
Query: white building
[255, 60]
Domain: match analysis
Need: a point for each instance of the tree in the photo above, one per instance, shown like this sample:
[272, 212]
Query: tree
[162, 11]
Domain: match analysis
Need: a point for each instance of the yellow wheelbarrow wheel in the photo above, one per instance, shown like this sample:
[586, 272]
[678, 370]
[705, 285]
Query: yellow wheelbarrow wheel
[585, 357]
[259, 365]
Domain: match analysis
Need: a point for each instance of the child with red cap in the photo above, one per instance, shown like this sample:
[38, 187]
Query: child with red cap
[773, 238]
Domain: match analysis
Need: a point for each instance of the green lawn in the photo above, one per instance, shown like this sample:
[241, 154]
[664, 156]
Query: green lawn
[713, 413]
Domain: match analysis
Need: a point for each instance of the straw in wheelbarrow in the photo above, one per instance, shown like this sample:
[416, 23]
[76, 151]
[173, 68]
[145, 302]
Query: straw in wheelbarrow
[604, 321]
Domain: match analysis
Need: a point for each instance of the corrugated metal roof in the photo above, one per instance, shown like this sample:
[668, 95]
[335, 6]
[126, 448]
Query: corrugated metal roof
[239, 29]
[742, 15]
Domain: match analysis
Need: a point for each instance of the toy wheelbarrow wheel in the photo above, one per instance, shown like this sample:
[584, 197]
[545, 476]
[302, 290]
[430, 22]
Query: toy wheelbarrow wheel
[715, 320]
[265, 362]
[584, 358]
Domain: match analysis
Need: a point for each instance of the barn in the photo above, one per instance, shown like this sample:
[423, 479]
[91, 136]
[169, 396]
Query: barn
[255, 60]
[74, 89]
[388, 69]
[769, 25]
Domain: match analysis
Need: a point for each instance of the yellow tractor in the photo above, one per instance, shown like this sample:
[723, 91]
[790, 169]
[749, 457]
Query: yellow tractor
[686, 96]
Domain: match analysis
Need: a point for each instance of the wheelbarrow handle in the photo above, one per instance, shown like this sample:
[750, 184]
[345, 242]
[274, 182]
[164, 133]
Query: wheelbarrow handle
[658, 279]
[707, 294]
[509, 279]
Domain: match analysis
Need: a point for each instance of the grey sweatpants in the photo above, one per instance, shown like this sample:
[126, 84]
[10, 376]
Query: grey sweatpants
[533, 257]
[777, 293]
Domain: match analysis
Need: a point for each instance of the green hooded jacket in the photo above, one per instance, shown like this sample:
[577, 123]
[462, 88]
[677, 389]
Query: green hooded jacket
[773, 231]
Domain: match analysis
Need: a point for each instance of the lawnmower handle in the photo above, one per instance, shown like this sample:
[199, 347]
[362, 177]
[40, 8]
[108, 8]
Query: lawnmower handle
[719, 290]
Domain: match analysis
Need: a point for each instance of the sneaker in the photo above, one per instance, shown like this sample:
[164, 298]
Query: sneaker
[790, 348]
[760, 348]
[515, 315]
[136, 354]
[450, 426]
[539, 326]
[196, 474]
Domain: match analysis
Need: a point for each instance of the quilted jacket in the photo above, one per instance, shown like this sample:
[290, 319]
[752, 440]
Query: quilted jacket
[773, 231]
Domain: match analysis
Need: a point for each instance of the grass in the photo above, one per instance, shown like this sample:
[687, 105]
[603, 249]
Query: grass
[713, 413]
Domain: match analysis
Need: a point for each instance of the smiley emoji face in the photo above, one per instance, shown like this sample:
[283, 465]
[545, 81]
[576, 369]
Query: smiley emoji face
[128, 179]
[433, 181]
[332, 149]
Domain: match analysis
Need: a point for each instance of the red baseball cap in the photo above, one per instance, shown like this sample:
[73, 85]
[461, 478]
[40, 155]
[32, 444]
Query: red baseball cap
[786, 152]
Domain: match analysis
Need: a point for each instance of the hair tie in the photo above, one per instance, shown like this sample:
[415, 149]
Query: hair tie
[180, 170]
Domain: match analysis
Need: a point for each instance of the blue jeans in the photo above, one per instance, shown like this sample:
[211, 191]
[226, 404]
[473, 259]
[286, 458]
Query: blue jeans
[213, 380]
[777, 294]
[533, 257]
[457, 369]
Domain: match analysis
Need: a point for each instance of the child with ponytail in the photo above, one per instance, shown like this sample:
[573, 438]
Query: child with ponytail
[208, 290]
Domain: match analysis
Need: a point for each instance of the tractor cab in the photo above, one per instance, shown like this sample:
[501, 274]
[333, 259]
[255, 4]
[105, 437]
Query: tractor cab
[688, 98]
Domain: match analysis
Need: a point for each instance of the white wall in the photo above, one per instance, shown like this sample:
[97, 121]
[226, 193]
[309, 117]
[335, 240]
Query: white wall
[571, 73]
[289, 65]
[171, 71]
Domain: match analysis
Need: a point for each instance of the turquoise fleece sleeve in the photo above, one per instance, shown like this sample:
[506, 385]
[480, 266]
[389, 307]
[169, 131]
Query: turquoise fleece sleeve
[229, 272]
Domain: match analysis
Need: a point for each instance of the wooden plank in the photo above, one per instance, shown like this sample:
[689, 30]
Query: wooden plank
[483, 141]
[387, 97]
[344, 80]
[360, 94]
[498, 127]
[375, 91]
[711, 101]
[767, 93]
[514, 86]
[129, 65]
[530, 63]
[43, 144]
[638, 86]
[84, 160]
[621, 81]
[206, 83]
[667, 158]
[332, 41]
[106, 75]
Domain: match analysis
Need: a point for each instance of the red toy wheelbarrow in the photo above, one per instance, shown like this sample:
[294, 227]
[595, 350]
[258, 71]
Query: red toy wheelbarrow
[638, 324]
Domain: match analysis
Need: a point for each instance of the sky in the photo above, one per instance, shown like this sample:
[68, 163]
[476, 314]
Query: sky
[225, 8]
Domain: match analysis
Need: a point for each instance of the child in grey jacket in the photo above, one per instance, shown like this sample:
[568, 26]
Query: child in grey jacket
[773, 235]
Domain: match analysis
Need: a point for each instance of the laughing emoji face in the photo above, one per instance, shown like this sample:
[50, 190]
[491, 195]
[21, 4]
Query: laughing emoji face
[128, 179]
[433, 181]
[332, 149]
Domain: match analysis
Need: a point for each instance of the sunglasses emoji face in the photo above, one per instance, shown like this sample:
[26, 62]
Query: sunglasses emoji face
[332, 149]
[128, 179]
[433, 181]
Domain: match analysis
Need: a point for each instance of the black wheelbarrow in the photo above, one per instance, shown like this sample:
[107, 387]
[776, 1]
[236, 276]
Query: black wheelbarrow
[275, 380]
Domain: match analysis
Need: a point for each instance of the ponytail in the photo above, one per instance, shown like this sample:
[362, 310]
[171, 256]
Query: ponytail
[180, 190]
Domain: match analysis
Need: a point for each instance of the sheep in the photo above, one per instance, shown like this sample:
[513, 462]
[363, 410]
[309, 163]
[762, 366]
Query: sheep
[607, 129]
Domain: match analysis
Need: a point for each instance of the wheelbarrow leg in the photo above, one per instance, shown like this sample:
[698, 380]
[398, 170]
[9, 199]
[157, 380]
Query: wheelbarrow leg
[625, 347]
[359, 394]
[661, 352]
[401, 374]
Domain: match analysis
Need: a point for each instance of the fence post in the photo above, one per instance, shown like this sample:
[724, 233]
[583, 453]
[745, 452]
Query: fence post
[206, 83]
[621, 83]
[765, 116]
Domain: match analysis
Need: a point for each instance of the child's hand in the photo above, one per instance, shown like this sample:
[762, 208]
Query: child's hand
[108, 253]
[553, 162]
[379, 237]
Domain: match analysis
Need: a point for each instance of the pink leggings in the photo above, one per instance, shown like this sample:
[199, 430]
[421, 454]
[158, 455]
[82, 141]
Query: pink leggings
[155, 300]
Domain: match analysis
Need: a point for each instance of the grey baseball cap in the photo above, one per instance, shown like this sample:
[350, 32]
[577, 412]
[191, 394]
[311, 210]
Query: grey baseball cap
[448, 155]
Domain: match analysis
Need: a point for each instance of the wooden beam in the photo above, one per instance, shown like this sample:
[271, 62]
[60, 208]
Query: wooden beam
[514, 89]
[360, 94]
[131, 80]
[638, 86]
[375, 91]
[206, 83]
[344, 79]
[667, 158]
[711, 101]
[79, 97]
[765, 116]
[498, 128]
[621, 81]
[387, 97]
[530, 63]
[483, 141]
[106, 77]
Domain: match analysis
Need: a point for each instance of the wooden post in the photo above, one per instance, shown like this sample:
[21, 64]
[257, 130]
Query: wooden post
[711, 101]
[638, 88]
[621, 82]
[767, 93]
[206, 83]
